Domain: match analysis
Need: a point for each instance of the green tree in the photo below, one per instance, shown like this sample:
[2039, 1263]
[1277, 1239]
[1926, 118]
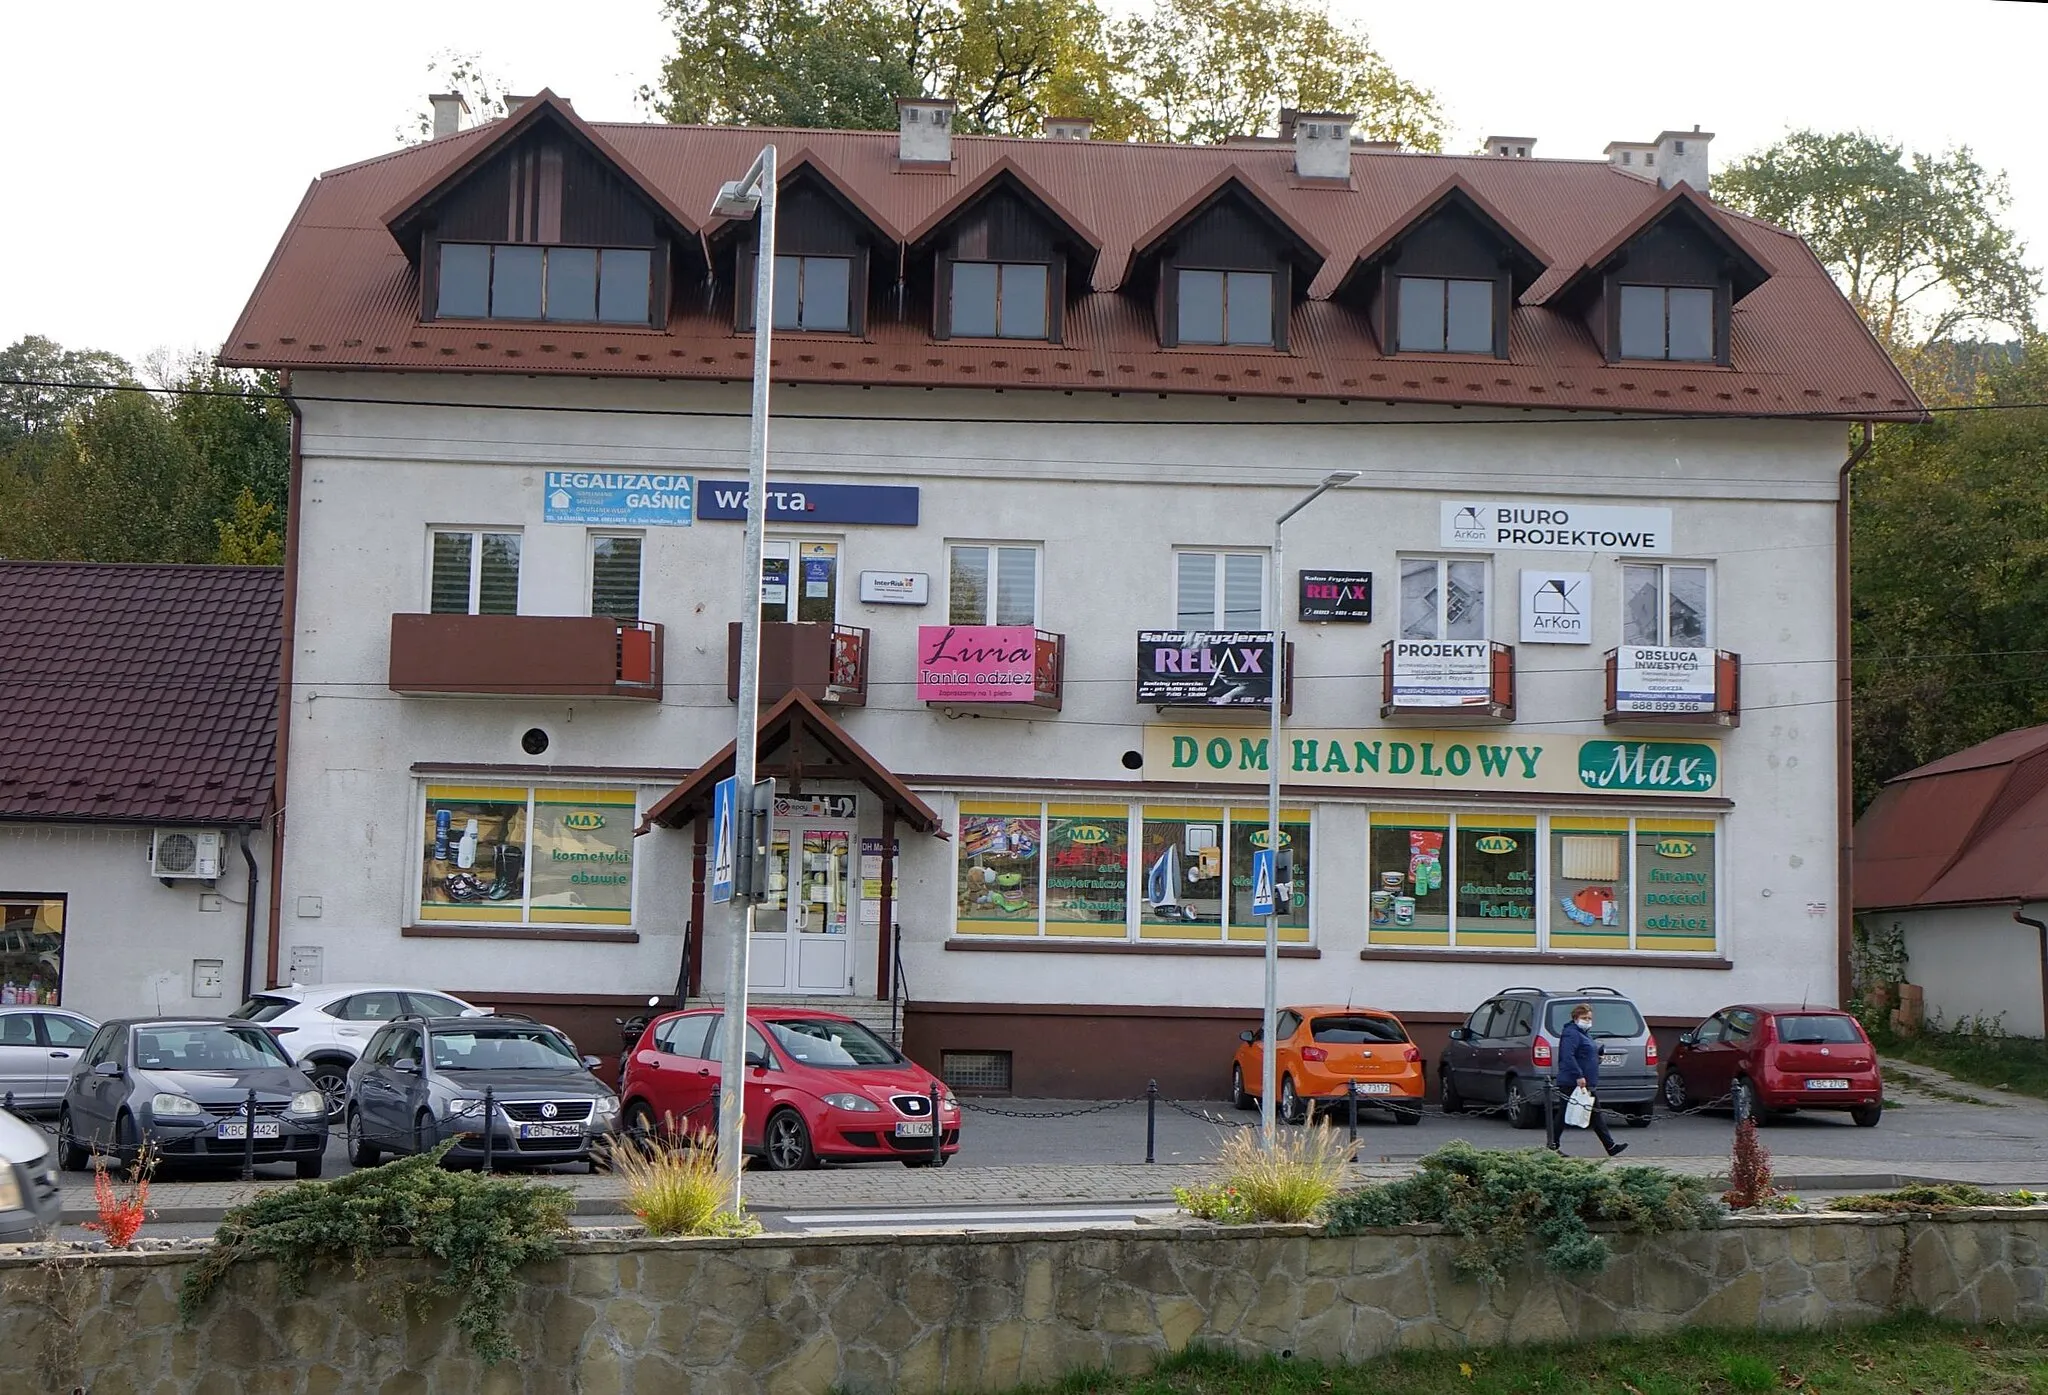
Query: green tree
[250, 538]
[29, 408]
[123, 485]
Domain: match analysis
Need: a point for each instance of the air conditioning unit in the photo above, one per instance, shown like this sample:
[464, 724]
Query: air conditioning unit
[184, 852]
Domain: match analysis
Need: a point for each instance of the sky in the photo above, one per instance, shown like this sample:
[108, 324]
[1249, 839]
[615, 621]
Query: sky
[157, 159]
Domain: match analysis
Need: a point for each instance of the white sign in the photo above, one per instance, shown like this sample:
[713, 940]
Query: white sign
[1557, 607]
[1443, 673]
[819, 806]
[1534, 527]
[1650, 679]
[895, 588]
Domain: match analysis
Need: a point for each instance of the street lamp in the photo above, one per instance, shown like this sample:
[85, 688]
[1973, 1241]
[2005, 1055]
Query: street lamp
[752, 195]
[1267, 1070]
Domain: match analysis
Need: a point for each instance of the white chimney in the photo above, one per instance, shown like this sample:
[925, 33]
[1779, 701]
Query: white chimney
[1682, 155]
[1069, 127]
[1322, 144]
[449, 109]
[924, 130]
[1511, 147]
[1634, 157]
[513, 104]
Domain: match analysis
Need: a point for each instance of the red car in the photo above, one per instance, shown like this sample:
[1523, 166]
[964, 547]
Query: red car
[820, 1088]
[1765, 1057]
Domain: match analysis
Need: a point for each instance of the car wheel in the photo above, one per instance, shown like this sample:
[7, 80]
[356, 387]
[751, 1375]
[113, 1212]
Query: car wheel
[1293, 1110]
[361, 1151]
[642, 1128]
[1675, 1098]
[1867, 1115]
[127, 1140]
[423, 1134]
[330, 1078]
[1453, 1102]
[308, 1169]
[71, 1155]
[1521, 1114]
[1742, 1101]
[786, 1143]
[1239, 1096]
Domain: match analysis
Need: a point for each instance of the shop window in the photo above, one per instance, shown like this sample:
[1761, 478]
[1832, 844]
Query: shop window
[1443, 598]
[1495, 875]
[1181, 864]
[615, 575]
[31, 950]
[1589, 896]
[992, 584]
[1248, 834]
[1000, 868]
[474, 573]
[1220, 590]
[800, 581]
[1409, 863]
[1675, 884]
[1087, 873]
[1667, 322]
[518, 855]
[1440, 316]
[1667, 604]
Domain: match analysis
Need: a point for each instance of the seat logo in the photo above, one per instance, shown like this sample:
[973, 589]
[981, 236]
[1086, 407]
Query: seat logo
[1675, 847]
[1496, 843]
[548, 1110]
[583, 819]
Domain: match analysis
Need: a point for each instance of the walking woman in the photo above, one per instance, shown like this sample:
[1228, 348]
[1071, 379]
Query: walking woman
[1578, 1062]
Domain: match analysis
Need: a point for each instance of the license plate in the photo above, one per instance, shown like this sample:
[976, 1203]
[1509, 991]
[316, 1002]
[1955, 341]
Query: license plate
[915, 1128]
[1827, 1084]
[239, 1128]
[550, 1130]
[1375, 1087]
[1617, 1058]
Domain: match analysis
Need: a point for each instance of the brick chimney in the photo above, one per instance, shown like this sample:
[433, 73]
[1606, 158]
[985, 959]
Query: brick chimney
[1069, 127]
[924, 130]
[1682, 155]
[1511, 147]
[449, 109]
[1322, 144]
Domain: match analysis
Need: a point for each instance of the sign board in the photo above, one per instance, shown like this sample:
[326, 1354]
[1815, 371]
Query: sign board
[1552, 527]
[895, 588]
[1443, 673]
[1262, 882]
[1557, 607]
[1373, 758]
[1329, 596]
[977, 663]
[725, 837]
[1651, 679]
[726, 501]
[1207, 668]
[817, 806]
[617, 496]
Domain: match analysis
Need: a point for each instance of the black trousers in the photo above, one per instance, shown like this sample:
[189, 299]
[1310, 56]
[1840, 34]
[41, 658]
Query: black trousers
[1556, 1128]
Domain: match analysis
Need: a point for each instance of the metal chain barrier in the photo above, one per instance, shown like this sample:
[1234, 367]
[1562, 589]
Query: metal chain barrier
[1103, 1107]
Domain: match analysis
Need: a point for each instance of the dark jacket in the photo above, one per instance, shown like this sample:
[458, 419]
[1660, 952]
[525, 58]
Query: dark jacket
[1578, 1058]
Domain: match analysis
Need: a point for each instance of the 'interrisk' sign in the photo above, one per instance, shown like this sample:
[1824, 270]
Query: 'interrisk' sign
[1382, 758]
[1551, 527]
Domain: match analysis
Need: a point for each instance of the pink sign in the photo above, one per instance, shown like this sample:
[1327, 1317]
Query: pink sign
[976, 663]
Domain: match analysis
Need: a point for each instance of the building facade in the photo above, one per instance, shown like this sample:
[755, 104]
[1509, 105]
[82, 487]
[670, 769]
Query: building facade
[1555, 665]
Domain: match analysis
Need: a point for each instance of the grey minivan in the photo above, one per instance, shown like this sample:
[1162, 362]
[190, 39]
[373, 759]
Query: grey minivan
[1505, 1054]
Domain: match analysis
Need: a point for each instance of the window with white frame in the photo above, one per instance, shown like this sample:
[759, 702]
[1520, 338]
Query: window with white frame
[992, 584]
[799, 580]
[1443, 598]
[1667, 604]
[1219, 590]
[473, 572]
[615, 575]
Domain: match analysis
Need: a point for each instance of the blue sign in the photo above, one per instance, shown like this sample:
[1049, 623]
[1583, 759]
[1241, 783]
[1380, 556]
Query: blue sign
[618, 496]
[1262, 882]
[893, 504]
[725, 837]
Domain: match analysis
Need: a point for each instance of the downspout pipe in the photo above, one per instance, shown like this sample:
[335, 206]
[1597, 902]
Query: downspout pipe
[2019, 913]
[249, 912]
[1845, 740]
[294, 495]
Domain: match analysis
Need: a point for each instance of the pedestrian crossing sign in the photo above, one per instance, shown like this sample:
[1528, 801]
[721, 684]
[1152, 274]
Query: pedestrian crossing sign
[1262, 882]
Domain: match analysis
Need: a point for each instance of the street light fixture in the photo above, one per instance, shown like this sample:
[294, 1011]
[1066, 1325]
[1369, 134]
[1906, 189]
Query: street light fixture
[752, 195]
[1267, 1070]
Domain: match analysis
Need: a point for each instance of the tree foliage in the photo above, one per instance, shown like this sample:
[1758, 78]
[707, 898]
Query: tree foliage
[454, 70]
[29, 408]
[1187, 70]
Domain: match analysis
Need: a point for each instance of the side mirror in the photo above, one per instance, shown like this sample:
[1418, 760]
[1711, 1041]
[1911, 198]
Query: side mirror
[406, 1065]
[1687, 1039]
[1247, 1036]
[1456, 1034]
[111, 1069]
[591, 1063]
[756, 1060]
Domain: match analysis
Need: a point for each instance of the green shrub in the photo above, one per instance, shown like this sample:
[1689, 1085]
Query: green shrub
[674, 1187]
[1496, 1202]
[1946, 1196]
[1218, 1201]
[481, 1228]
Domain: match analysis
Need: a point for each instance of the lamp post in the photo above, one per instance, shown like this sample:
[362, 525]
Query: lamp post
[751, 195]
[1267, 1070]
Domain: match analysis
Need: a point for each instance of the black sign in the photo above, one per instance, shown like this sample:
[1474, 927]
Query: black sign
[1336, 596]
[1206, 668]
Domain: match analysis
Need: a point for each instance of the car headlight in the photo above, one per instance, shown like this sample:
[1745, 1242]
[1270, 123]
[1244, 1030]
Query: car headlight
[11, 1196]
[858, 1104]
[607, 1107]
[309, 1102]
[463, 1109]
[169, 1106]
[946, 1100]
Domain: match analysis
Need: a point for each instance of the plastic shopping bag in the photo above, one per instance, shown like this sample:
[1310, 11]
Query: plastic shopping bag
[1578, 1110]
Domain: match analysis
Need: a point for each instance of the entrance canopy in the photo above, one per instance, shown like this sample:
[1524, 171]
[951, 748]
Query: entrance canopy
[798, 742]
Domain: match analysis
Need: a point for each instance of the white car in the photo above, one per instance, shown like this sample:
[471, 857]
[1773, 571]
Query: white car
[29, 1195]
[325, 1028]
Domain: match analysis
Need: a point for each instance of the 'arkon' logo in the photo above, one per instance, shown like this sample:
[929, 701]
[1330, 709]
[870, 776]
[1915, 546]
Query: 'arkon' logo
[1496, 843]
[1675, 847]
[583, 819]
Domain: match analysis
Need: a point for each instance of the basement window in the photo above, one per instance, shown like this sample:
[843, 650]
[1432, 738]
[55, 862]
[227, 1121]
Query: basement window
[978, 1072]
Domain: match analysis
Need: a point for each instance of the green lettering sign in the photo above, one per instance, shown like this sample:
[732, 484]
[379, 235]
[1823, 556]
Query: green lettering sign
[1671, 766]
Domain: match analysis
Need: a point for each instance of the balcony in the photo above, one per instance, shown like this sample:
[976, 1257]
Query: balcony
[827, 663]
[1454, 678]
[1216, 671]
[997, 667]
[1655, 686]
[540, 656]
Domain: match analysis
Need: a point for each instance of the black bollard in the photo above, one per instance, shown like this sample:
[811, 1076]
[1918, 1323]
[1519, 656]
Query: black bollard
[1151, 1120]
[490, 1126]
[1351, 1110]
[249, 1137]
[938, 1130]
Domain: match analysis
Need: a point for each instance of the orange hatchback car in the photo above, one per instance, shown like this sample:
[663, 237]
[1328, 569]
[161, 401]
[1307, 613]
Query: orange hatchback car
[1320, 1049]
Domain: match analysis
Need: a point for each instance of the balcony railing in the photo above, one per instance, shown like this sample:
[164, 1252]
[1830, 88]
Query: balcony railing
[1674, 687]
[542, 656]
[1447, 678]
[828, 663]
[994, 666]
[1213, 670]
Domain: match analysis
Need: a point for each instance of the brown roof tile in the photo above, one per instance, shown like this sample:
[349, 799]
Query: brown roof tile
[1967, 829]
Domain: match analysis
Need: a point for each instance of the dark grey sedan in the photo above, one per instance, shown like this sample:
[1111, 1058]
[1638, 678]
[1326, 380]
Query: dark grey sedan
[183, 1084]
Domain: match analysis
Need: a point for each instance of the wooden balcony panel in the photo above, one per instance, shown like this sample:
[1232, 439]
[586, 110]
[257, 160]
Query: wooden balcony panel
[827, 663]
[537, 656]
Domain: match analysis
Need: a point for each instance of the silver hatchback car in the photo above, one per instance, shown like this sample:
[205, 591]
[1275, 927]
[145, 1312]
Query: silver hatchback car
[1506, 1054]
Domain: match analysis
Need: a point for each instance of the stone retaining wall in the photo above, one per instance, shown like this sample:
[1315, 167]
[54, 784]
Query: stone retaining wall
[931, 1312]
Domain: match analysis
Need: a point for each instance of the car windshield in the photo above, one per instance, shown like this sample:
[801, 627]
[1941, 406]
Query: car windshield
[826, 1043]
[262, 1008]
[206, 1048]
[1819, 1029]
[513, 1048]
[1356, 1029]
[1612, 1017]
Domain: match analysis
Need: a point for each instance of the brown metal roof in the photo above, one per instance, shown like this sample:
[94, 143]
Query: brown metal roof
[1969, 828]
[341, 293]
[138, 694]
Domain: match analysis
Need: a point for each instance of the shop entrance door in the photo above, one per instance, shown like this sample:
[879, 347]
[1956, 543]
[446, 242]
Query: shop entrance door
[803, 932]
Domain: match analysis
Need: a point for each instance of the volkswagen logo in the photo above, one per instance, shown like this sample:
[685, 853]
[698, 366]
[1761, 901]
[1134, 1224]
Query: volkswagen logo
[548, 1110]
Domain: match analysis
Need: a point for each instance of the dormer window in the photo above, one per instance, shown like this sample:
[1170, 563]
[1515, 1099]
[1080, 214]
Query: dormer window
[575, 285]
[1225, 307]
[999, 300]
[1439, 315]
[1667, 322]
[814, 293]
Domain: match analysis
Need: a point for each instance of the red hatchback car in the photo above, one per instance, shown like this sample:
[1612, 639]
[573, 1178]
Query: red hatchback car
[820, 1088]
[1766, 1057]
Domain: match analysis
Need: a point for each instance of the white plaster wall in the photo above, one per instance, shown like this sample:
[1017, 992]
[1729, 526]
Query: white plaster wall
[1109, 498]
[1974, 961]
[129, 940]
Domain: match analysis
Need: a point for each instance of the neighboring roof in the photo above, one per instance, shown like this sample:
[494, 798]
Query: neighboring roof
[1971, 828]
[341, 294]
[138, 694]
